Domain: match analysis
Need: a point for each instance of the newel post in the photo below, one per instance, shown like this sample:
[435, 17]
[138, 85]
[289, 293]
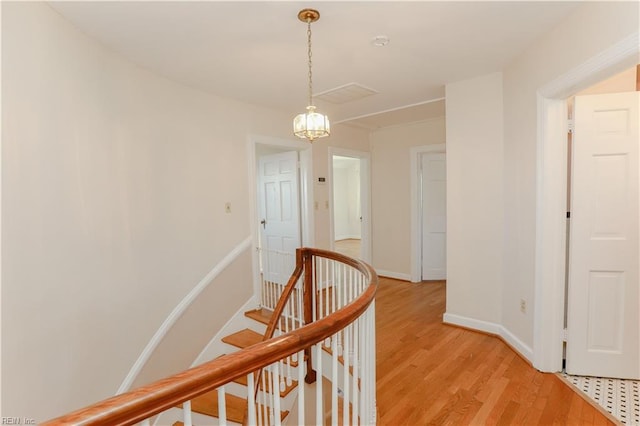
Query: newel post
[307, 295]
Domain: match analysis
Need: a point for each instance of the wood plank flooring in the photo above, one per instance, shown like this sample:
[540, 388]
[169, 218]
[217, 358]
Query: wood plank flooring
[349, 247]
[429, 373]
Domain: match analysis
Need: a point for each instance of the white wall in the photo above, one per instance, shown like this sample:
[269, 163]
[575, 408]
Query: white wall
[592, 28]
[474, 197]
[114, 185]
[391, 192]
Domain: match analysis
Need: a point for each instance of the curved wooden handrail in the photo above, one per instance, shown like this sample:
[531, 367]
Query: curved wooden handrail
[297, 273]
[144, 402]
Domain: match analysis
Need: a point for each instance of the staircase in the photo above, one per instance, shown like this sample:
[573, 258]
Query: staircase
[322, 333]
[206, 405]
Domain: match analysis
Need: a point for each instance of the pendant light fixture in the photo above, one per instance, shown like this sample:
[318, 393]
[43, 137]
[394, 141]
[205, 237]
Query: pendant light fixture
[310, 125]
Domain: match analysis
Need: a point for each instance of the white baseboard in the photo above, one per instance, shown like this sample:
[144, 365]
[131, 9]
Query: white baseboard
[517, 344]
[475, 324]
[395, 275]
[491, 328]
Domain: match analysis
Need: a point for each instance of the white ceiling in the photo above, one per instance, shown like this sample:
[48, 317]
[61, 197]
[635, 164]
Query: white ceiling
[256, 51]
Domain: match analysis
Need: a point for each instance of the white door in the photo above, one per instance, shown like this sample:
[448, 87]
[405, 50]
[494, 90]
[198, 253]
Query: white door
[280, 214]
[603, 299]
[434, 216]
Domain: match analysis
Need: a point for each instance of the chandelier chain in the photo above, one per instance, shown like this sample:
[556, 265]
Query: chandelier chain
[310, 125]
[310, 63]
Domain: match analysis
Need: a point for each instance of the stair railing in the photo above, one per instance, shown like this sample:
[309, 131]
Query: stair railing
[275, 267]
[326, 315]
[329, 281]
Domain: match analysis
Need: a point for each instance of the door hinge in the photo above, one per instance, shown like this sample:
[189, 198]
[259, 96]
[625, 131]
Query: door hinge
[570, 125]
[564, 334]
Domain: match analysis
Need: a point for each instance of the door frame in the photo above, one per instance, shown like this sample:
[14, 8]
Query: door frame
[415, 155]
[305, 188]
[551, 190]
[365, 198]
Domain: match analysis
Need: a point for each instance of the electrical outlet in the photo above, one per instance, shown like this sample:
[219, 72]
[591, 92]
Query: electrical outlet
[326, 204]
[316, 205]
[523, 306]
[227, 207]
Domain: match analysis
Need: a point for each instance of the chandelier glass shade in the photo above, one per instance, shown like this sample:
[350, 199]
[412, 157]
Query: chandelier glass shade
[310, 125]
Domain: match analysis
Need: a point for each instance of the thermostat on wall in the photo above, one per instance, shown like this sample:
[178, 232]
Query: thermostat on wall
[322, 180]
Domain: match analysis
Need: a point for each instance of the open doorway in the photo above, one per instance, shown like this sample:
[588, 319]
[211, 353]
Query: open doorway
[602, 288]
[602, 195]
[349, 203]
[347, 216]
[551, 197]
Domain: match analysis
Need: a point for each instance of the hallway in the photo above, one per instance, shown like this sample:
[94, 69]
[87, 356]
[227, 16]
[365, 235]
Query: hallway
[349, 247]
[431, 373]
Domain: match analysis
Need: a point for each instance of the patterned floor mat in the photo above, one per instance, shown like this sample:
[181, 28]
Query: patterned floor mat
[621, 398]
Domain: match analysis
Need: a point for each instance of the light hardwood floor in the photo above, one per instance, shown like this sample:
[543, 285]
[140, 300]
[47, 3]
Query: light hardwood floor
[349, 247]
[429, 373]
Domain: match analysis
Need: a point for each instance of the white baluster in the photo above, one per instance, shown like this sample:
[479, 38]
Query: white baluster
[289, 325]
[263, 398]
[270, 393]
[356, 370]
[145, 423]
[314, 289]
[363, 367]
[372, 360]
[334, 381]
[300, 303]
[352, 279]
[319, 410]
[276, 394]
[346, 383]
[337, 289]
[186, 413]
[328, 267]
[251, 398]
[222, 407]
[301, 373]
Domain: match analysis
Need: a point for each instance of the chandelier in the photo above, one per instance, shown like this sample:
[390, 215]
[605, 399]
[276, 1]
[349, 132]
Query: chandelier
[310, 124]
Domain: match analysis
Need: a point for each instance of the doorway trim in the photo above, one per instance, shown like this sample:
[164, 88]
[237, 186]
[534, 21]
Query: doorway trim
[551, 168]
[365, 198]
[415, 188]
[306, 194]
